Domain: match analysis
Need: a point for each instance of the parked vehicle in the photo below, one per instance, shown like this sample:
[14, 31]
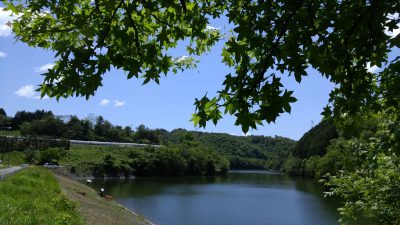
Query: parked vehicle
[50, 166]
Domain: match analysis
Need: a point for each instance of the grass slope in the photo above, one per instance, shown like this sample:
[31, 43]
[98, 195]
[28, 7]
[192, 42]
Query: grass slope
[95, 209]
[33, 196]
[82, 158]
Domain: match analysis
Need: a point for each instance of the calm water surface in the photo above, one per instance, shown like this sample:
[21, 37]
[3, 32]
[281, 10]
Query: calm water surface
[239, 198]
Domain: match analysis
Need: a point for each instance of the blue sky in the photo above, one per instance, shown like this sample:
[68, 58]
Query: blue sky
[168, 105]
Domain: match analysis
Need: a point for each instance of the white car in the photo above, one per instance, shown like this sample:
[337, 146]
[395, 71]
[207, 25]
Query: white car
[50, 166]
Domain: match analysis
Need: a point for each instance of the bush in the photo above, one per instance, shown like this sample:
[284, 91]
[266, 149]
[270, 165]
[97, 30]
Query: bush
[14, 158]
[31, 143]
[52, 155]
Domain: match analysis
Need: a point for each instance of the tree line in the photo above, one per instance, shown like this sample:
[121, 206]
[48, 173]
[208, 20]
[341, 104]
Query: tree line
[38, 145]
[45, 123]
[242, 152]
[124, 162]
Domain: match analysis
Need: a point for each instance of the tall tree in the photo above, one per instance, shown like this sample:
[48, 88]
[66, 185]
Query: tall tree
[3, 118]
[270, 39]
[48, 126]
[145, 135]
[74, 128]
[23, 116]
[3, 112]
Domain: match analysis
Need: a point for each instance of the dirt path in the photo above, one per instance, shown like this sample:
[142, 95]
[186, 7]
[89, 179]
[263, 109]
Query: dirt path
[95, 209]
[8, 171]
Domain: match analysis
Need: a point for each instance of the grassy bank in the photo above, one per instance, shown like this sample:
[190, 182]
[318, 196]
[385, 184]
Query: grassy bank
[97, 210]
[36, 196]
[33, 196]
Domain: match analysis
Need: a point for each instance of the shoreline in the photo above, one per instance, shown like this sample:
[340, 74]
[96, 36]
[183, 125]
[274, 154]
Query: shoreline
[95, 209]
[63, 170]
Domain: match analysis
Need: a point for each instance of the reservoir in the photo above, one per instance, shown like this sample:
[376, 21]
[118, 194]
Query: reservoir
[238, 198]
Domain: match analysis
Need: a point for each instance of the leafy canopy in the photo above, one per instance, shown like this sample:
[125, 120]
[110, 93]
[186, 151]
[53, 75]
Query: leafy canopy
[270, 39]
[370, 184]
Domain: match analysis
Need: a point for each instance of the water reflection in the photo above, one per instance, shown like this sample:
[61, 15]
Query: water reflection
[240, 197]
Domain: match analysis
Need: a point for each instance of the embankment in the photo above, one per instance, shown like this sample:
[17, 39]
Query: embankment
[95, 209]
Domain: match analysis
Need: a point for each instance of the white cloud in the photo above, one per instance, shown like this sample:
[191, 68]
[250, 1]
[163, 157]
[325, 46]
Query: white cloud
[373, 69]
[104, 102]
[118, 103]
[211, 28]
[26, 91]
[182, 58]
[44, 68]
[5, 18]
[395, 32]
[3, 54]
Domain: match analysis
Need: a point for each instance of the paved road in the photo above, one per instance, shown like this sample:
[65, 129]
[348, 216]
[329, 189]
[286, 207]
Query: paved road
[4, 172]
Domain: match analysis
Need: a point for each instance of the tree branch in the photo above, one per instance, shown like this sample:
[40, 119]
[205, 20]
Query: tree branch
[105, 34]
[133, 24]
[260, 74]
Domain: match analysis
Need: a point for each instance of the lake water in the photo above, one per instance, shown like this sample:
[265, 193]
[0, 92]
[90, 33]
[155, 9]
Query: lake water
[238, 198]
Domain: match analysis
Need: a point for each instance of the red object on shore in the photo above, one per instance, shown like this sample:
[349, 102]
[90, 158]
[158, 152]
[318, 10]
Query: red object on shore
[109, 197]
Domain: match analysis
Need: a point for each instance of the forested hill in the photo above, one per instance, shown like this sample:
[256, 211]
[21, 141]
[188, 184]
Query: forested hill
[315, 141]
[244, 152]
[311, 155]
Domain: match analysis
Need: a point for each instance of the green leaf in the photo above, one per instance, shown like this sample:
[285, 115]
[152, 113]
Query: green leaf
[195, 119]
